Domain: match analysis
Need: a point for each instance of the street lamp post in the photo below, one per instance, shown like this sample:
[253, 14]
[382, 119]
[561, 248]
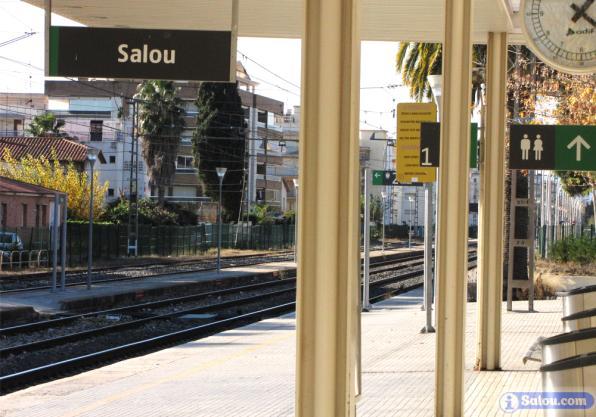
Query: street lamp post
[383, 197]
[91, 157]
[295, 180]
[411, 200]
[221, 172]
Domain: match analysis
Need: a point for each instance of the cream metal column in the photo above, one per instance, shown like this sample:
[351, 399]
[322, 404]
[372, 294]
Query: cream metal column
[452, 234]
[492, 186]
[329, 263]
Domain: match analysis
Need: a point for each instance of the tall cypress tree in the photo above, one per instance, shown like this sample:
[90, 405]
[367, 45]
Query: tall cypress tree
[219, 141]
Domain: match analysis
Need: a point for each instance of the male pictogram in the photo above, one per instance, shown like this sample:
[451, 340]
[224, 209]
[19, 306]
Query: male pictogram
[538, 148]
[525, 148]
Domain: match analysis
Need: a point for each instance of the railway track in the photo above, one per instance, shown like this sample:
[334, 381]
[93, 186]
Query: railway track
[41, 281]
[23, 283]
[258, 301]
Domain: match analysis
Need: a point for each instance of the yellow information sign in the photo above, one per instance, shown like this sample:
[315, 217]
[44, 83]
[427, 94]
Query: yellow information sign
[407, 148]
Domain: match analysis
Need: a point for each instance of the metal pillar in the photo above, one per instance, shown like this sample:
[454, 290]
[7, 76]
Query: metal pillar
[428, 258]
[366, 237]
[63, 241]
[452, 227]
[491, 209]
[328, 234]
[55, 232]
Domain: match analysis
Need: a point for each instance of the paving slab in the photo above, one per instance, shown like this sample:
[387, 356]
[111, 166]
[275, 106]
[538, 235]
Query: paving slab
[250, 371]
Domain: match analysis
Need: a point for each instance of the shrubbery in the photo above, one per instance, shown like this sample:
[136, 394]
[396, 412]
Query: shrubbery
[150, 213]
[581, 250]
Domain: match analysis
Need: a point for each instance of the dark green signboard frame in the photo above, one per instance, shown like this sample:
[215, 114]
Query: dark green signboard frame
[194, 55]
[553, 147]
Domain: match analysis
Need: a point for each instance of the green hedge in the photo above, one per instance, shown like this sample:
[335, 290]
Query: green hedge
[571, 249]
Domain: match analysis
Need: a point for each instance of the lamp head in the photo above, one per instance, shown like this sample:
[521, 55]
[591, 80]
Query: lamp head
[221, 172]
[92, 154]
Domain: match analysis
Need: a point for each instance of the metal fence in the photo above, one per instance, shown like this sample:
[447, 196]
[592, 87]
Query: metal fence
[110, 241]
[547, 235]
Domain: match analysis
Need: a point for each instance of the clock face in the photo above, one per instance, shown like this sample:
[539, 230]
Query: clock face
[562, 33]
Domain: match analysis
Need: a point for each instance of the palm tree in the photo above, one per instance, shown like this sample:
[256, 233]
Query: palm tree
[160, 125]
[46, 124]
[417, 60]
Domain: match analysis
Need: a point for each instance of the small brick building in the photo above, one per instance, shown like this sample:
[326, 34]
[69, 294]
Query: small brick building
[25, 205]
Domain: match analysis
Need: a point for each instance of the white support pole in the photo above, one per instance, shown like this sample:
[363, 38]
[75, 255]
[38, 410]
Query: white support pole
[327, 310]
[491, 209]
[63, 241]
[55, 220]
[428, 258]
[366, 237]
[452, 227]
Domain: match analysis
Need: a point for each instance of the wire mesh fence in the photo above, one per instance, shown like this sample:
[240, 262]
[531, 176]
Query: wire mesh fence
[110, 241]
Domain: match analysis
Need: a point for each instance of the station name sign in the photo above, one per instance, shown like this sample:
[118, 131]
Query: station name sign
[193, 55]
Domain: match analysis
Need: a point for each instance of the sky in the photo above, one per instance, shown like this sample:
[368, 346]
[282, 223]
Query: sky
[274, 63]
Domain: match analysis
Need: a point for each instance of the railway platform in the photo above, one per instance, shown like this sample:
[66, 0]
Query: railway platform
[22, 306]
[250, 371]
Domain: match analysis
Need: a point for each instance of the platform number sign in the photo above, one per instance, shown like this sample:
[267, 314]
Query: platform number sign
[552, 147]
[430, 154]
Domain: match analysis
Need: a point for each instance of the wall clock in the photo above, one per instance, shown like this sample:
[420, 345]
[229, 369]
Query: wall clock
[562, 33]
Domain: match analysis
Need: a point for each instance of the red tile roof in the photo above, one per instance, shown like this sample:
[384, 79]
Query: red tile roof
[66, 150]
[8, 186]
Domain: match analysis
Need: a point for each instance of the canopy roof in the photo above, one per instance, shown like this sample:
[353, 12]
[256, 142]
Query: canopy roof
[382, 20]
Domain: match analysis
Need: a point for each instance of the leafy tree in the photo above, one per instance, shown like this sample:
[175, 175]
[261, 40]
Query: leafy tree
[219, 141]
[160, 124]
[46, 124]
[48, 172]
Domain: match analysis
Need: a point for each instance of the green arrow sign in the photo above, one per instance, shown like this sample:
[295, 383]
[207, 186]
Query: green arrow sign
[389, 178]
[575, 148]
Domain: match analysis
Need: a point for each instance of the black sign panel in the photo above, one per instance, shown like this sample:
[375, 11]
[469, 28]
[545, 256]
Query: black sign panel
[140, 53]
[532, 147]
[430, 146]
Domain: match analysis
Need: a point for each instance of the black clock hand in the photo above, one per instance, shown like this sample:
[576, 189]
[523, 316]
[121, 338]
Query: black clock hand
[581, 12]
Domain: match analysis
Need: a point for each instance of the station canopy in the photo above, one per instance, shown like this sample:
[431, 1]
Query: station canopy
[382, 20]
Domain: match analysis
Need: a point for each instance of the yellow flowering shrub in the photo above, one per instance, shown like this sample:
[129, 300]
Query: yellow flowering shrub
[49, 173]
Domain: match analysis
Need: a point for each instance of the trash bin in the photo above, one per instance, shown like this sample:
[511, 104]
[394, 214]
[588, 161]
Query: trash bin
[579, 321]
[567, 345]
[578, 299]
[575, 375]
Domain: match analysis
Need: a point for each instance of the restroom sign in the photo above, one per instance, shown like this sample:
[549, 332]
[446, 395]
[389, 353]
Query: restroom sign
[553, 147]
[192, 55]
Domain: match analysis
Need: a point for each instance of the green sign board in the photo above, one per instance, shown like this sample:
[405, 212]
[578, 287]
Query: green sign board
[575, 148]
[389, 178]
[430, 134]
[550, 147]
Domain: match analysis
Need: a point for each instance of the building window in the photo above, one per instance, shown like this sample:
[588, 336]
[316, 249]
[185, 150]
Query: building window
[112, 159]
[44, 215]
[4, 214]
[95, 130]
[24, 206]
[184, 163]
[261, 169]
[37, 215]
[110, 192]
[262, 117]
